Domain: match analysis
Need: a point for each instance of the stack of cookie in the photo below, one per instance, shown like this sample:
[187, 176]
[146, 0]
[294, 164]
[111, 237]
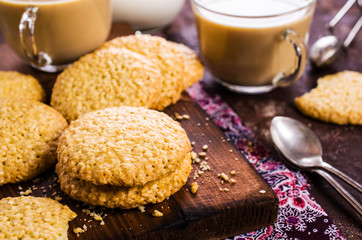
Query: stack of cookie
[137, 70]
[123, 157]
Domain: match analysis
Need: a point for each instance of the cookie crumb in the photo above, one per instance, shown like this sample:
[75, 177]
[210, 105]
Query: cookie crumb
[205, 147]
[95, 216]
[224, 177]
[194, 187]
[202, 154]
[157, 213]
[204, 166]
[142, 208]
[186, 116]
[79, 230]
[26, 193]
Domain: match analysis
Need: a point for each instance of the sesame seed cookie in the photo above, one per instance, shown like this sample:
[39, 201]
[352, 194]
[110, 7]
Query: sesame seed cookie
[120, 197]
[106, 78]
[34, 218]
[165, 55]
[17, 85]
[123, 146]
[29, 132]
[337, 99]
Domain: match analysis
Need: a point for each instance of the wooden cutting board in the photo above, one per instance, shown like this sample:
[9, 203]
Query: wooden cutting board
[210, 213]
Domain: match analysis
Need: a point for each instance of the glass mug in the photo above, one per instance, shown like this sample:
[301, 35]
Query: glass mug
[254, 46]
[51, 34]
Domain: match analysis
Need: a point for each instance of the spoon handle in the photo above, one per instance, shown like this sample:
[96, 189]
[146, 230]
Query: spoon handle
[342, 176]
[355, 204]
[353, 33]
[340, 14]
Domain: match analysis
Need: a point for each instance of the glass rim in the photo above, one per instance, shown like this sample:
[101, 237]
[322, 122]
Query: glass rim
[199, 4]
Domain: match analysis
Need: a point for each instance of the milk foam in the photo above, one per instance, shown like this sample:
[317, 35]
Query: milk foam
[253, 13]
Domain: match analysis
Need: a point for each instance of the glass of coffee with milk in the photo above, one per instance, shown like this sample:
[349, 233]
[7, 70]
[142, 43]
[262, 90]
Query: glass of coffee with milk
[254, 46]
[51, 34]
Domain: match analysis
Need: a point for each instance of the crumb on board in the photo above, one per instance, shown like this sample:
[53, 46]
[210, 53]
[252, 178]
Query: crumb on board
[224, 177]
[204, 166]
[95, 216]
[186, 116]
[142, 208]
[182, 117]
[194, 187]
[224, 190]
[79, 230]
[26, 193]
[157, 213]
[202, 154]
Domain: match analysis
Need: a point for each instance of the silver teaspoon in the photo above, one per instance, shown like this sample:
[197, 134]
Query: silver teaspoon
[301, 147]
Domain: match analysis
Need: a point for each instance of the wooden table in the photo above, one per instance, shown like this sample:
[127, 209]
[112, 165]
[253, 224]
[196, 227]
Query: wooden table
[341, 144]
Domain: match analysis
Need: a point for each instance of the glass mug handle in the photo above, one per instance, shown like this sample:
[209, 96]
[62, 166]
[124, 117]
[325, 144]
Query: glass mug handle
[27, 39]
[286, 79]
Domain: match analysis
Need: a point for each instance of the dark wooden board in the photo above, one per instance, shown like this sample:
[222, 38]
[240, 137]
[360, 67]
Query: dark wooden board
[249, 205]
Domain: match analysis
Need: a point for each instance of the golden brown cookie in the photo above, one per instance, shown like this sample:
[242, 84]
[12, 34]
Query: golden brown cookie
[337, 99]
[34, 218]
[194, 70]
[123, 146]
[106, 78]
[120, 197]
[17, 85]
[165, 55]
[29, 132]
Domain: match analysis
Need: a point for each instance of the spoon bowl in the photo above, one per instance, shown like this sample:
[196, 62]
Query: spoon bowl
[301, 147]
[325, 50]
[297, 143]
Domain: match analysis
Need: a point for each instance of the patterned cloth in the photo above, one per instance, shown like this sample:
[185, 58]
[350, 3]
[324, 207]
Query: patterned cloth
[299, 216]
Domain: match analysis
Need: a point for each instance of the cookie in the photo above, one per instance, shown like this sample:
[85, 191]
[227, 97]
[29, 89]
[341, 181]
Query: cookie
[194, 70]
[165, 55]
[17, 85]
[106, 78]
[34, 218]
[120, 197]
[123, 146]
[29, 132]
[337, 99]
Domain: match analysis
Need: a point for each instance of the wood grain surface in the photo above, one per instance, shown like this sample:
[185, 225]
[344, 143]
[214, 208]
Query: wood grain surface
[209, 214]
